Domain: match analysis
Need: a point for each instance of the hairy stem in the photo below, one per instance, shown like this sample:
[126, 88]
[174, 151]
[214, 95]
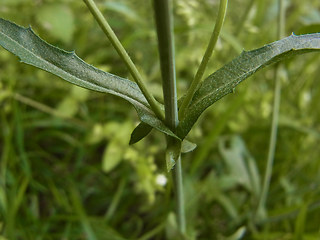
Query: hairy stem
[124, 55]
[275, 115]
[164, 23]
[199, 74]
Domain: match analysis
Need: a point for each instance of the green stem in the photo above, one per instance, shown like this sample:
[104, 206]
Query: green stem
[180, 196]
[213, 40]
[124, 55]
[275, 116]
[164, 23]
[44, 108]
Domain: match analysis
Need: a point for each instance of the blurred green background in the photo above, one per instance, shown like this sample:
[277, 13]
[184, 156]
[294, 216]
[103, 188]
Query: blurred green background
[67, 171]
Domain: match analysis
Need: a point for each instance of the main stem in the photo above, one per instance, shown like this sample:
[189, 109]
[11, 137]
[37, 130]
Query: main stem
[275, 115]
[164, 23]
[124, 55]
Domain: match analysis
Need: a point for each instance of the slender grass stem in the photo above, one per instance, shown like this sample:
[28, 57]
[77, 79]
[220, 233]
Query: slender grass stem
[199, 74]
[164, 23]
[275, 115]
[124, 56]
[44, 108]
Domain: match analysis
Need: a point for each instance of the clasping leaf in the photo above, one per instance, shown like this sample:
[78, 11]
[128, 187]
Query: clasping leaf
[224, 81]
[24, 43]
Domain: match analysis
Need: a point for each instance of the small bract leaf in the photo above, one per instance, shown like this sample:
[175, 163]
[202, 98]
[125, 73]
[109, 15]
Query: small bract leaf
[187, 146]
[172, 155]
[34, 51]
[141, 131]
[223, 81]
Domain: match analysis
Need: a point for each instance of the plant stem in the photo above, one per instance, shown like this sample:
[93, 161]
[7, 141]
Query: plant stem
[275, 115]
[166, 50]
[124, 55]
[213, 40]
[177, 171]
[44, 108]
[164, 23]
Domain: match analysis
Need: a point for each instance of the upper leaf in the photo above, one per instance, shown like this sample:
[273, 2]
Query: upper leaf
[24, 43]
[223, 81]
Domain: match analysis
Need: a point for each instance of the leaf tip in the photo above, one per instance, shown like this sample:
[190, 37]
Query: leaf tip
[141, 131]
[133, 140]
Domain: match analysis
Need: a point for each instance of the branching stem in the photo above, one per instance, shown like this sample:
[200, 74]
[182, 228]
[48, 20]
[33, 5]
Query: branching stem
[213, 40]
[124, 55]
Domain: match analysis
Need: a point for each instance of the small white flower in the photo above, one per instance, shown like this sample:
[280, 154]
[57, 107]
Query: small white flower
[161, 180]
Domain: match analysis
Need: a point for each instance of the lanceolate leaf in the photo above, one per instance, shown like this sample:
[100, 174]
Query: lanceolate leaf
[141, 131]
[34, 51]
[223, 81]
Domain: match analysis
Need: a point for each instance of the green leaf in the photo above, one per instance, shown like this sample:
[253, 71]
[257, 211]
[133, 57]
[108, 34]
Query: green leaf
[172, 154]
[67, 65]
[223, 81]
[240, 163]
[187, 146]
[141, 131]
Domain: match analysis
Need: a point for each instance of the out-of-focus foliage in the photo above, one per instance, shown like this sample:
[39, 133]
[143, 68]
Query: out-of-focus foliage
[66, 171]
